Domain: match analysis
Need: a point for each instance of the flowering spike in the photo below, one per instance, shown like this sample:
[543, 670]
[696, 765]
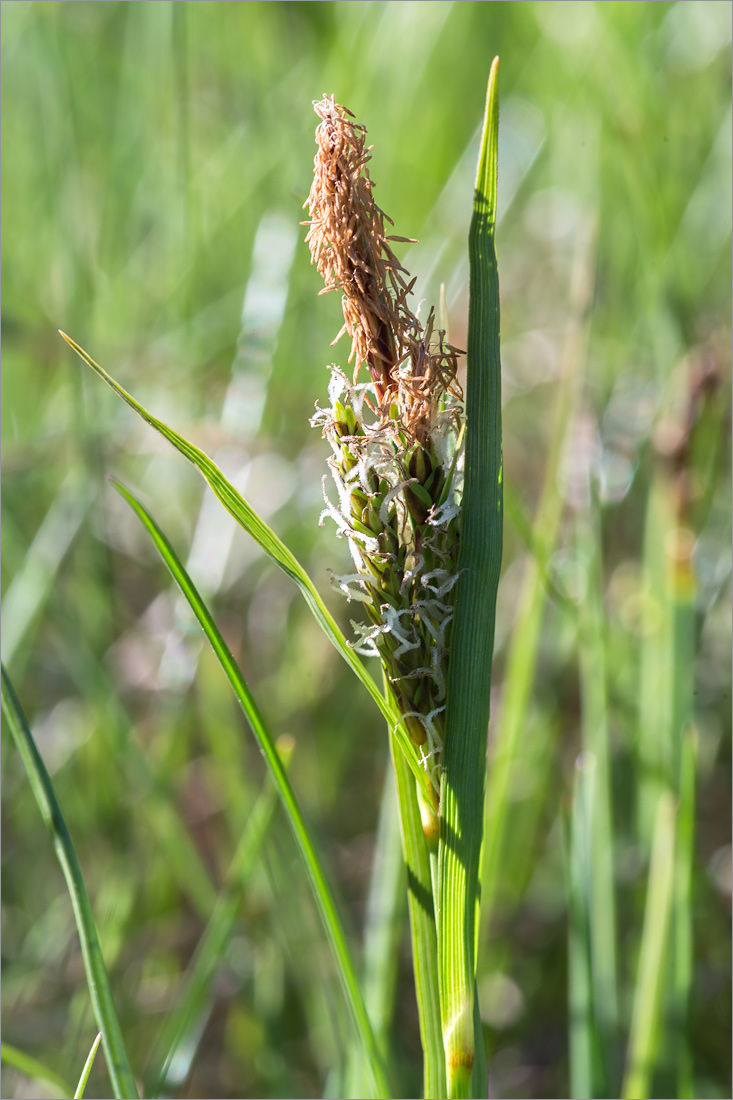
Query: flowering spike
[396, 439]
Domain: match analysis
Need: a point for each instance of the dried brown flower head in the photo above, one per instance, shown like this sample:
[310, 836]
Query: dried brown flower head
[409, 365]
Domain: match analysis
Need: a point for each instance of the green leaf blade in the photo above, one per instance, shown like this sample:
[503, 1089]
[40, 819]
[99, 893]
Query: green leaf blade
[123, 1082]
[645, 1037]
[246, 516]
[469, 676]
[87, 1068]
[321, 888]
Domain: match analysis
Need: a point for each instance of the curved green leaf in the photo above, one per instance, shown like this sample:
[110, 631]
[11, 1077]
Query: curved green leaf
[321, 887]
[238, 507]
[87, 1068]
[123, 1083]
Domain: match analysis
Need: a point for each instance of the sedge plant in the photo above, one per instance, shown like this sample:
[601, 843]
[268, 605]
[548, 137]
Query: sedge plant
[613, 634]
[420, 501]
[419, 484]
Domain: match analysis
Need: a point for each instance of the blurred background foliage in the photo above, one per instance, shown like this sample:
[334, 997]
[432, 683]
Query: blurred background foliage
[155, 162]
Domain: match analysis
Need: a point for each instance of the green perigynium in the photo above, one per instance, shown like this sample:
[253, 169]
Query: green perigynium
[396, 439]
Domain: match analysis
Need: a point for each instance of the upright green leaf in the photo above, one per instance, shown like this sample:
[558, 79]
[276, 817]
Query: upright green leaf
[123, 1083]
[645, 1039]
[599, 832]
[469, 677]
[584, 1044]
[683, 958]
[383, 932]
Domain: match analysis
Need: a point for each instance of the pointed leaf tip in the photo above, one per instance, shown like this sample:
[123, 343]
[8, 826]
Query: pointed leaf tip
[486, 173]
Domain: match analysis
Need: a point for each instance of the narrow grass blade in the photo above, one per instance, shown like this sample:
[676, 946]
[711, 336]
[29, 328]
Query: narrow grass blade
[238, 507]
[667, 743]
[383, 929]
[668, 650]
[683, 916]
[422, 931]
[656, 693]
[681, 582]
[31, 1067]
[321, 888]
[469, 678]
[645, 1037]
[595, 732]
[385, 916]
[195, 995]
[87, 1068]
[123, 1083]
[583, 1042]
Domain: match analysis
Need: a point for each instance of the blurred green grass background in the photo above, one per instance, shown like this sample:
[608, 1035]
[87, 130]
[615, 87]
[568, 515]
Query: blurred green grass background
[155, 162]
